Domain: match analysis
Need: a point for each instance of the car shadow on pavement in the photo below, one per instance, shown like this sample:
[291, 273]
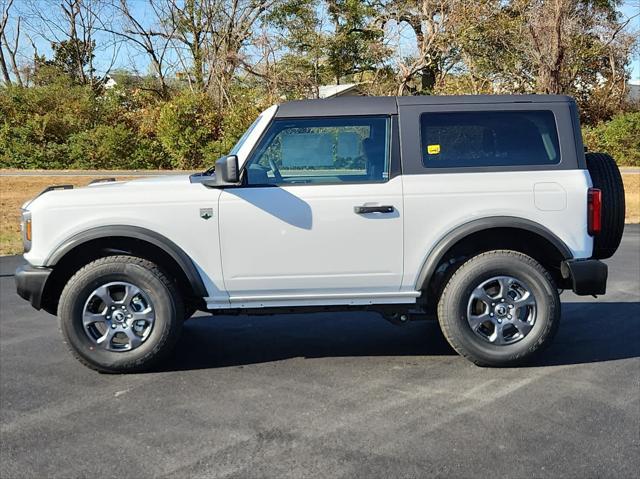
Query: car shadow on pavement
[592, 332]
[209, 342]
[589, 332]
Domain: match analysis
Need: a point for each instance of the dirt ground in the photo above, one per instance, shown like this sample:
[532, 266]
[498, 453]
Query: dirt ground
[14, 191]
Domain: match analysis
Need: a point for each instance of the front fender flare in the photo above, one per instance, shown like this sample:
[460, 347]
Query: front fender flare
[181, 258]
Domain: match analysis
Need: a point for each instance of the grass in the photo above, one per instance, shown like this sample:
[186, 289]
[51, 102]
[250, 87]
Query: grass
[14, 191]
[632, 196]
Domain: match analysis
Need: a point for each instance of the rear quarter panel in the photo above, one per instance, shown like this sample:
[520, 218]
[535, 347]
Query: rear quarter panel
[434, 205]
[438, 200]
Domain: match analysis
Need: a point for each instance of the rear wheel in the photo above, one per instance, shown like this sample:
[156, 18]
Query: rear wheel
[120, 314]
[499, 308]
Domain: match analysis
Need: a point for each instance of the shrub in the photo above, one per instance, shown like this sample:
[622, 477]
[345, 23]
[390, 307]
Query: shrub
[36, 123]
[149, 153]
[18, 150]
[186, 127]
[115, 147]
[51, 112]
[247, 105]
[102, 147]
[619, 137]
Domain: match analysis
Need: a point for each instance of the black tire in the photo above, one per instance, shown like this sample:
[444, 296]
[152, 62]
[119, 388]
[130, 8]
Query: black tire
[452, 308]
[149, 278]
[606, 176]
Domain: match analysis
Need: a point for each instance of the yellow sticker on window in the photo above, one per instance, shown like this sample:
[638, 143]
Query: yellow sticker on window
[433, 149]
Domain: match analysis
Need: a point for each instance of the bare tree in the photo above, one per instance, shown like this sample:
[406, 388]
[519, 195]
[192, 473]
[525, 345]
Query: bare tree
[208, 37]
[155, 45]
[548, 24]
[431, 23]
[71, 27]
[4, 20]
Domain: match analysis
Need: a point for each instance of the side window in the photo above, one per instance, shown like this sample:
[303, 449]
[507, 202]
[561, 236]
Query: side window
[324, 150]
[489, 138]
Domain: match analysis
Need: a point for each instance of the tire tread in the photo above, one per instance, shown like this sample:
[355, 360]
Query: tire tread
[606, 176]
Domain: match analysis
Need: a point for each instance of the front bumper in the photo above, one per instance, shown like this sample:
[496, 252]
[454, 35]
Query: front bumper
[588, 276]
[30, 283]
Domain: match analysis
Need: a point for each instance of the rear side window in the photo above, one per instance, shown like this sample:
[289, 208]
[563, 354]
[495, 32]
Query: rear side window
[489, 138]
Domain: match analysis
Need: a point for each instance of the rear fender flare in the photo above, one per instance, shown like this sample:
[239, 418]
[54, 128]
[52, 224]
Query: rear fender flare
[454, 236]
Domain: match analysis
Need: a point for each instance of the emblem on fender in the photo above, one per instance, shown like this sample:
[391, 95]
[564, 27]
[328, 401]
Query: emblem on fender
[206, 213]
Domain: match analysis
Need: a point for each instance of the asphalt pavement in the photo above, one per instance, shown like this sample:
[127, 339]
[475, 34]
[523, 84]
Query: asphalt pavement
[329, 395]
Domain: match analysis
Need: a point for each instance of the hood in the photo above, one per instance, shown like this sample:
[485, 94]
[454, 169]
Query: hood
[115, 192]
[164, 180]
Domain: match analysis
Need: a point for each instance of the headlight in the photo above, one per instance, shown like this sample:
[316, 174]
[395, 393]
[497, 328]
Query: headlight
[26, 229]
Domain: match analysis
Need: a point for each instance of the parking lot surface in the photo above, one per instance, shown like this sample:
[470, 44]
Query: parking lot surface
[329, 395]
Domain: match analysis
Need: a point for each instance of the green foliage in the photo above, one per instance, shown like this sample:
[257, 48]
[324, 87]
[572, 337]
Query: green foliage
[18, 149]
[619, 137]
[73, 57]
[248, 103]
[186, 119]
[51, 112]
[38, 121]
[355, 45]
[187, 126]
[103, 147]
[60, 124]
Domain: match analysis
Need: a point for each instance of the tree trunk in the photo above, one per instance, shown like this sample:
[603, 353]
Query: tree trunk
[13, 51]
[3, 67]
[428, 79]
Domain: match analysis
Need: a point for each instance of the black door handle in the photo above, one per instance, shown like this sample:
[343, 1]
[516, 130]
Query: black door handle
[361, 210]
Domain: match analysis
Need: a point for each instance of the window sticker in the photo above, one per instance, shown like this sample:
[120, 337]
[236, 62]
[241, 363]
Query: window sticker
[433, 149]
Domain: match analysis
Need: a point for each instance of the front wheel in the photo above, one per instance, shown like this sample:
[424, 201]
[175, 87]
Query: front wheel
[499, 308]
[120, 314]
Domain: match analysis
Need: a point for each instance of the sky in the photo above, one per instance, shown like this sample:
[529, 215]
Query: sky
[629, 9]
[128, 57]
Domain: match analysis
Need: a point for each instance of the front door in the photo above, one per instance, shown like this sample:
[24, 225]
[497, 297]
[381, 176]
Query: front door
[318, 215]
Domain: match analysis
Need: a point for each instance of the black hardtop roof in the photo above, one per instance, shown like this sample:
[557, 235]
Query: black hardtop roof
[388, 105]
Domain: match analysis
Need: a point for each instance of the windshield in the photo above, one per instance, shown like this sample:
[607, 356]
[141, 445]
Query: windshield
[243, 138]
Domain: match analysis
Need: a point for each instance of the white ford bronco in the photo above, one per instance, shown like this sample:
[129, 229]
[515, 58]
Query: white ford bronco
[476, 210]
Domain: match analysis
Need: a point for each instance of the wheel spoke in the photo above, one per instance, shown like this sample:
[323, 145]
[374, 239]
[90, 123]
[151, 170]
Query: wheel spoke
[476, 320]
[505, 285]
[526, 299]
[522, 326]
[134, 339]
[481, 294]
[103, 293]
[92, 318]
[130, 291]
[148, 315]
[498, 335]
[105, 340]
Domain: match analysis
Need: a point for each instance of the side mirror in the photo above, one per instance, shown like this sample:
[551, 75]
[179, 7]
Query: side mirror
[227, 169]
[226, 172]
